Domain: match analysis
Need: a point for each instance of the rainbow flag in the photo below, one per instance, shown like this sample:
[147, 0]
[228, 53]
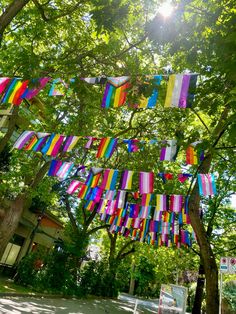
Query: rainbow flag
[84, 191]
[115, 96]
[39, 84]
[106, 147]
[180, 90]
[14, 91]
[92, 180]
[194, 155]
[206, 184]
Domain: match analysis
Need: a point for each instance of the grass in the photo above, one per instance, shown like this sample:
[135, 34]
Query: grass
[8, 285]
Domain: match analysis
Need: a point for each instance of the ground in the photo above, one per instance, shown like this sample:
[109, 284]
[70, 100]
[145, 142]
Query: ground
[18, 305]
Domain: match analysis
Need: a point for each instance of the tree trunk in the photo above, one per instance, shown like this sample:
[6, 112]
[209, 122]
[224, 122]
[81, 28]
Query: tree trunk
[10, 220]
[207, 256]
[10, 129]
[132, 280]
[10, 12]
[199, 291]
[12, 210]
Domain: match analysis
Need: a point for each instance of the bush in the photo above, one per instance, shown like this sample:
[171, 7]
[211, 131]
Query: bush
[229, 295]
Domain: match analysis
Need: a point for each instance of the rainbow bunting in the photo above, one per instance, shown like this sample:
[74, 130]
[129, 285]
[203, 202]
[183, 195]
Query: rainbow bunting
[176, 203]
[14, 92]
[39, 84]
[102, 206]
[146, 199]
[154, 226]
[134, 210]
[54, 167]
[42, 139]
[132, 145]
[106, 147]
[146, 182]
[120, 199]
[169, 152]
[64, 170]
[145, 211]
[180, 90]
[23, 139]
[58, 91]
[3, 83]
[127, 177]
[84, 191]
[115, 96]
[136, 223]
[157, 216]
[70, 143]
[191, 156]
[92, 180]
[95, 194]
[31, 143]
[73, 187]
[165, 176]
[182, 177]
[110, 195]
[150, 102]
[89, 205]
[161, 202]
[53, 145]
[111, 207]
[206, 184]
[109, 179]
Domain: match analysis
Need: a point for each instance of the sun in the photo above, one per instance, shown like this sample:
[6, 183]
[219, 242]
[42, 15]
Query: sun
[166, 9]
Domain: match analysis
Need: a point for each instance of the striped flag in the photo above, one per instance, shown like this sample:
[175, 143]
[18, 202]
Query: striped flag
[206, 184]
[180, 90]
[146, 182]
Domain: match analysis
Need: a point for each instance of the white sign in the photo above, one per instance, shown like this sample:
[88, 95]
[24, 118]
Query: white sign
[232, 265]
[224, 265]
[228, 265]
[172, 299]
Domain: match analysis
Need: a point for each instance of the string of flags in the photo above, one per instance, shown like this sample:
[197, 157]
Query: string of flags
[157, 219]
[179, 89]
[111, 179]
[52, 144]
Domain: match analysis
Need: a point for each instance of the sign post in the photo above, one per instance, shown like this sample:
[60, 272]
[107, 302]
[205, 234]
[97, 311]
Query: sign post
[227, 266]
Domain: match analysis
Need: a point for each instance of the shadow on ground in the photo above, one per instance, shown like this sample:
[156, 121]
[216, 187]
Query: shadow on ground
[64, 306]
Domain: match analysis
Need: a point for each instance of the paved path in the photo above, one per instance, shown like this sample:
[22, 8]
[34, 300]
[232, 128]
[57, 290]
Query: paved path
[18, 305]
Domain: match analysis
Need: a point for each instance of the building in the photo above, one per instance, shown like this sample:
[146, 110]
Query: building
[35, 230]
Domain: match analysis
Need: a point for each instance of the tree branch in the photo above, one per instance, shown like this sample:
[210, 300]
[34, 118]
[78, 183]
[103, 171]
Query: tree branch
[10, 12]
[97, 228]
[70, 214]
